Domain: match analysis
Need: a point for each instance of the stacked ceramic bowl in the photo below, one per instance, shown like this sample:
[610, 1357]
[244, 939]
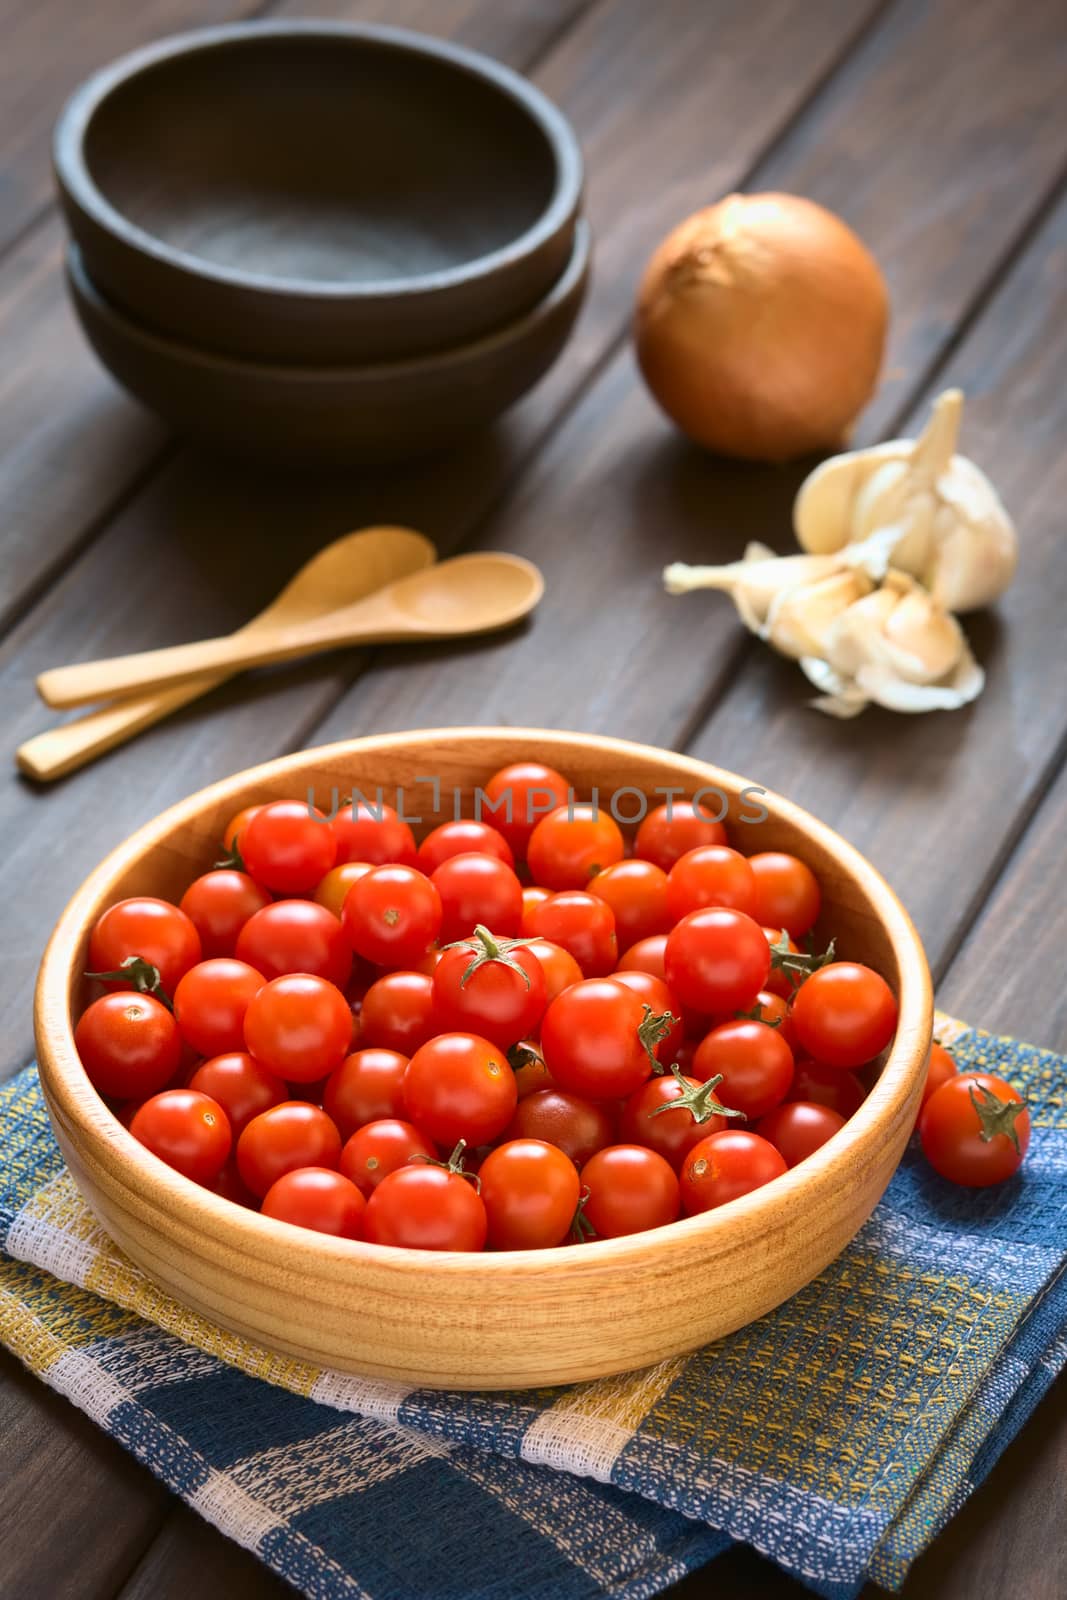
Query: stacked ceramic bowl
[318, 241]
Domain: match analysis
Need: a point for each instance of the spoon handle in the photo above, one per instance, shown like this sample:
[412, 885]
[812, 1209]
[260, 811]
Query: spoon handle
[61, 750]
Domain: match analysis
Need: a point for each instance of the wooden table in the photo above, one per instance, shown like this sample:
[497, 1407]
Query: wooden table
[936, 127]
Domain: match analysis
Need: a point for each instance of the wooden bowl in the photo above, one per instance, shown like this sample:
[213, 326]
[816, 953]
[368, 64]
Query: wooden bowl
[333, 415]
[317, 191]
[511, 1319]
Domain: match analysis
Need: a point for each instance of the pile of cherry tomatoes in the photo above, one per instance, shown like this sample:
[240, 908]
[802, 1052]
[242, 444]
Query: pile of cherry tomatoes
[412, 1044]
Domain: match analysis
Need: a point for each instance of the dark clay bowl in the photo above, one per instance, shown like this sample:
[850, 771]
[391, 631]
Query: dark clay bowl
[317, 192]
[332, 414]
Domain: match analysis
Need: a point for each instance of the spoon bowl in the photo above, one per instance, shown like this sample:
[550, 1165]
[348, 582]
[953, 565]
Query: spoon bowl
[470, 594]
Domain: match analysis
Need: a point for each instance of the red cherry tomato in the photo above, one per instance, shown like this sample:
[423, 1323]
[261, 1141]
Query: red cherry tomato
[779, 981]
[484, 986]
[787, 892]
[844, 1014]
[939, 1069]
[798, 1128]
[299, 1026]
[670, 831]
[421, 1207]
[559, 966]
[577, 1127]
[654, 993]
[725, 1166]
[154, 930]
[672, 1134]
[716, 960]
[572, 844]
[647, 955]
[382, 1147]
[530, 1192]
[711, 875]
[827, 1086]
[773, 1010]
[397, 1012]
[332, 891]
[187, 1130]
[581, 924]
[636, 891]
[463, 837]
[460, 1086]
[242, 1086]
[477, 889]
[296, 936]
[129, 1045]
[218, 904]
[518, 796]
[628, 1188]
[975, 1130]
[210, 1004]
[319, 1199]
[282, 1139]
[528, 1065]
[371, 832]
[289, 846]
[392, 915]
[533, 895]
[231, 838]
[591, 1038]
[367, 1086]
[231, 1186]
[755, 1062]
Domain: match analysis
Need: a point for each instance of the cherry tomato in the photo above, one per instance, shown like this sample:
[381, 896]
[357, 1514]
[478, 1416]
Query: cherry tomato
[187, 1130]
[218, 904]
[844, 1014]
[231, 838]
[530, 1191]
[282, 1139]
[319, 1199]
[654, 993]
[711, 875]
[559, 966]
[716, 960]
[647, 955]
[477, 889]
[392, 915]
[975, 1129]
[518, 796]
[489, 987]
[787, 892]
[397, 1012]
[773, 1010]
[725, 1166]
[129, 1045]
[592, 1038]
[381, 1147]
[798, 1128]
[827, 1086]
[672, 1134]
[779, 981]
[367, 1086]
[289, 846]
[670, 831]
[463, 837]
[154, 930]
[583, 925]
[210, 1004]
[300, 1027]
[636, 891]
[333, 889]
[421, 1207]
[460, 1086]
[628, 1188]
[577, 1127]
[231, 1186]
[755, 1062]
[296, 936]
[533, 895]
[528, 1065]
[373, 832]
[939, 1069]
[242, 1086]
[572, 844]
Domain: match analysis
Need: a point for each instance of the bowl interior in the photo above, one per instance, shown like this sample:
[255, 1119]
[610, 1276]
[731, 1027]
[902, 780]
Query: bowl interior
[322, 158]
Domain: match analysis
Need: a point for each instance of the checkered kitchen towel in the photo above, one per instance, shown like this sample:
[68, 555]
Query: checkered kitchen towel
[836, 1435]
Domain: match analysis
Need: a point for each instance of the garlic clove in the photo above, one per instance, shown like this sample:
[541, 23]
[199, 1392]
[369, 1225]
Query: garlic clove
[977, 542]
[899, 694]
[752, 583]
[822, 511]
[800, 619]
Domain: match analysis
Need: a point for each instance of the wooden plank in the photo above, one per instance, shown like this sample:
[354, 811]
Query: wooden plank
[189, 1551]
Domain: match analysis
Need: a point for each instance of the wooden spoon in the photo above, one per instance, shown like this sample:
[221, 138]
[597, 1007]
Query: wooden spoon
[346, 571]
[469, 594]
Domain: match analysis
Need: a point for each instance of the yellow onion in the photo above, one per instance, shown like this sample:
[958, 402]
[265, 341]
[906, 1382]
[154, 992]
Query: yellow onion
[760, 326]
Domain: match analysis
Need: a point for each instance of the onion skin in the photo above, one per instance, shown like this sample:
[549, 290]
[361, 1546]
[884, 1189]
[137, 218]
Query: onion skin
[760, 327]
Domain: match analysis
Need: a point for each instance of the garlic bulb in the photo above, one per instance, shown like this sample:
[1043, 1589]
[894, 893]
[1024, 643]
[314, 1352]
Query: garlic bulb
[896, 647]
[916, 506]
